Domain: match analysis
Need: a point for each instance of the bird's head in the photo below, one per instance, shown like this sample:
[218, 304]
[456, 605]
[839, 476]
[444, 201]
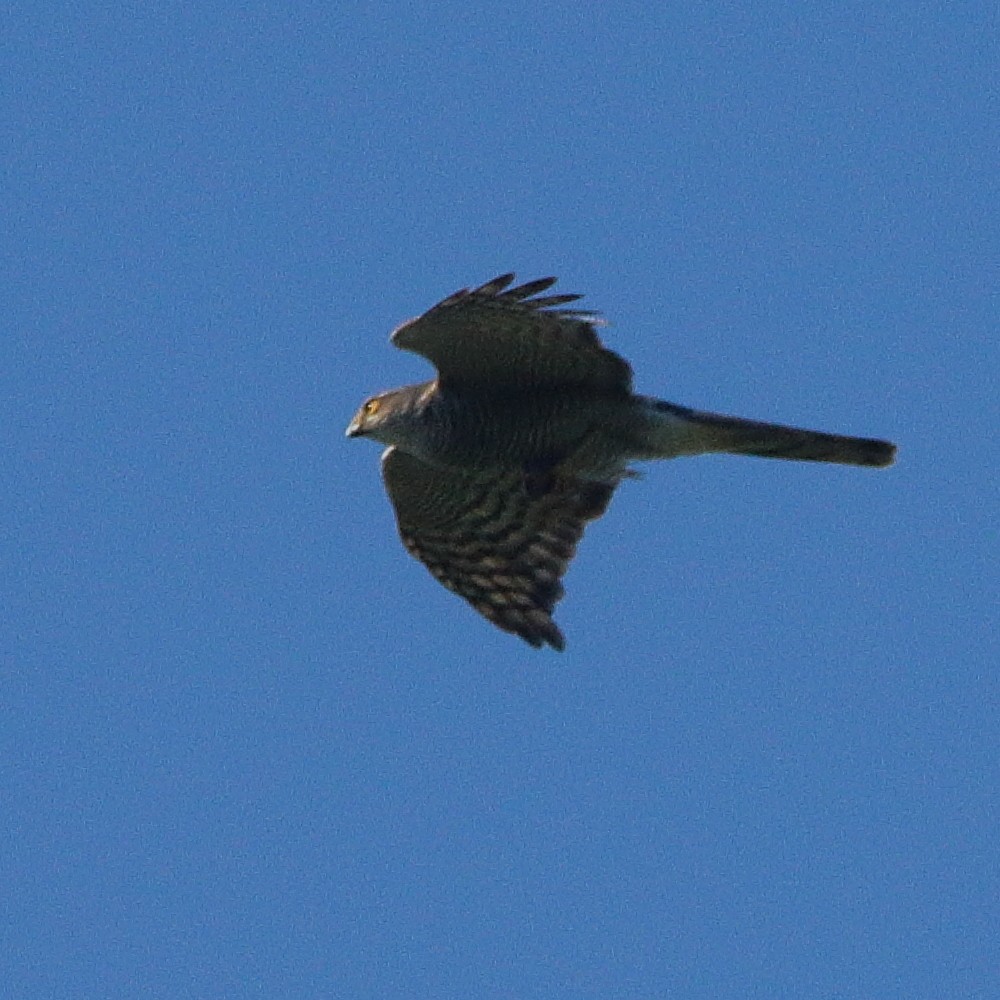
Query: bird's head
[389, 417]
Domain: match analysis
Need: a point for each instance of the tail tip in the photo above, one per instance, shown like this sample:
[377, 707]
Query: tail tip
[881, 453]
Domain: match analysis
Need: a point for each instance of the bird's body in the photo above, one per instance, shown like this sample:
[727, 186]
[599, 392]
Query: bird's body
[489, 429]
[495, 466]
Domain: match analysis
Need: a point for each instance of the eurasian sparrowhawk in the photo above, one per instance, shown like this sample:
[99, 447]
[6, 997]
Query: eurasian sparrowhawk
[495, 467]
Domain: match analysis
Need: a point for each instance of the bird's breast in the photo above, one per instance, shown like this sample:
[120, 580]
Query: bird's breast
[489, 429]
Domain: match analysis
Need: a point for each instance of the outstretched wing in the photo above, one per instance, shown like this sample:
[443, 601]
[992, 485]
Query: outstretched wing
[490, 541]
[513, 337]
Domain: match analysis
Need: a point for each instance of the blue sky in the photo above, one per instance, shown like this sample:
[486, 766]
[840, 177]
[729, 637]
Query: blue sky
[248, 747]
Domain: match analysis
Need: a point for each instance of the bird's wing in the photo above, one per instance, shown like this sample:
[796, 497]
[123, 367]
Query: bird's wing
[487, 539]
[512, 337]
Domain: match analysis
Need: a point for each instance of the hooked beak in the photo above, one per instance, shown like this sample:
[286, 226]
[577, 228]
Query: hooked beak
[353, 428]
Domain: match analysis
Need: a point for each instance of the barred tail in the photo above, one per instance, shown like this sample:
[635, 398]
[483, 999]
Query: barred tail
[682, 431]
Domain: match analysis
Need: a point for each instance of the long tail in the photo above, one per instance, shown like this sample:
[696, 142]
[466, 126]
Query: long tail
[677, 430]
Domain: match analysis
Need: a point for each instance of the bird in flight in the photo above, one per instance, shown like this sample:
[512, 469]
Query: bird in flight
[495, 467]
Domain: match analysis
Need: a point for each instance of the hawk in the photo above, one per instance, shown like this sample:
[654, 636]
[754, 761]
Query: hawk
[495, 467]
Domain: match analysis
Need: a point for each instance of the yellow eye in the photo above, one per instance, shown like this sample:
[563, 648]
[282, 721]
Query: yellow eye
[371, 407]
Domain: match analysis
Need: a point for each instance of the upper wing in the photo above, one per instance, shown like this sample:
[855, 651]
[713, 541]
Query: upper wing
[508, 338]
[488, 540]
